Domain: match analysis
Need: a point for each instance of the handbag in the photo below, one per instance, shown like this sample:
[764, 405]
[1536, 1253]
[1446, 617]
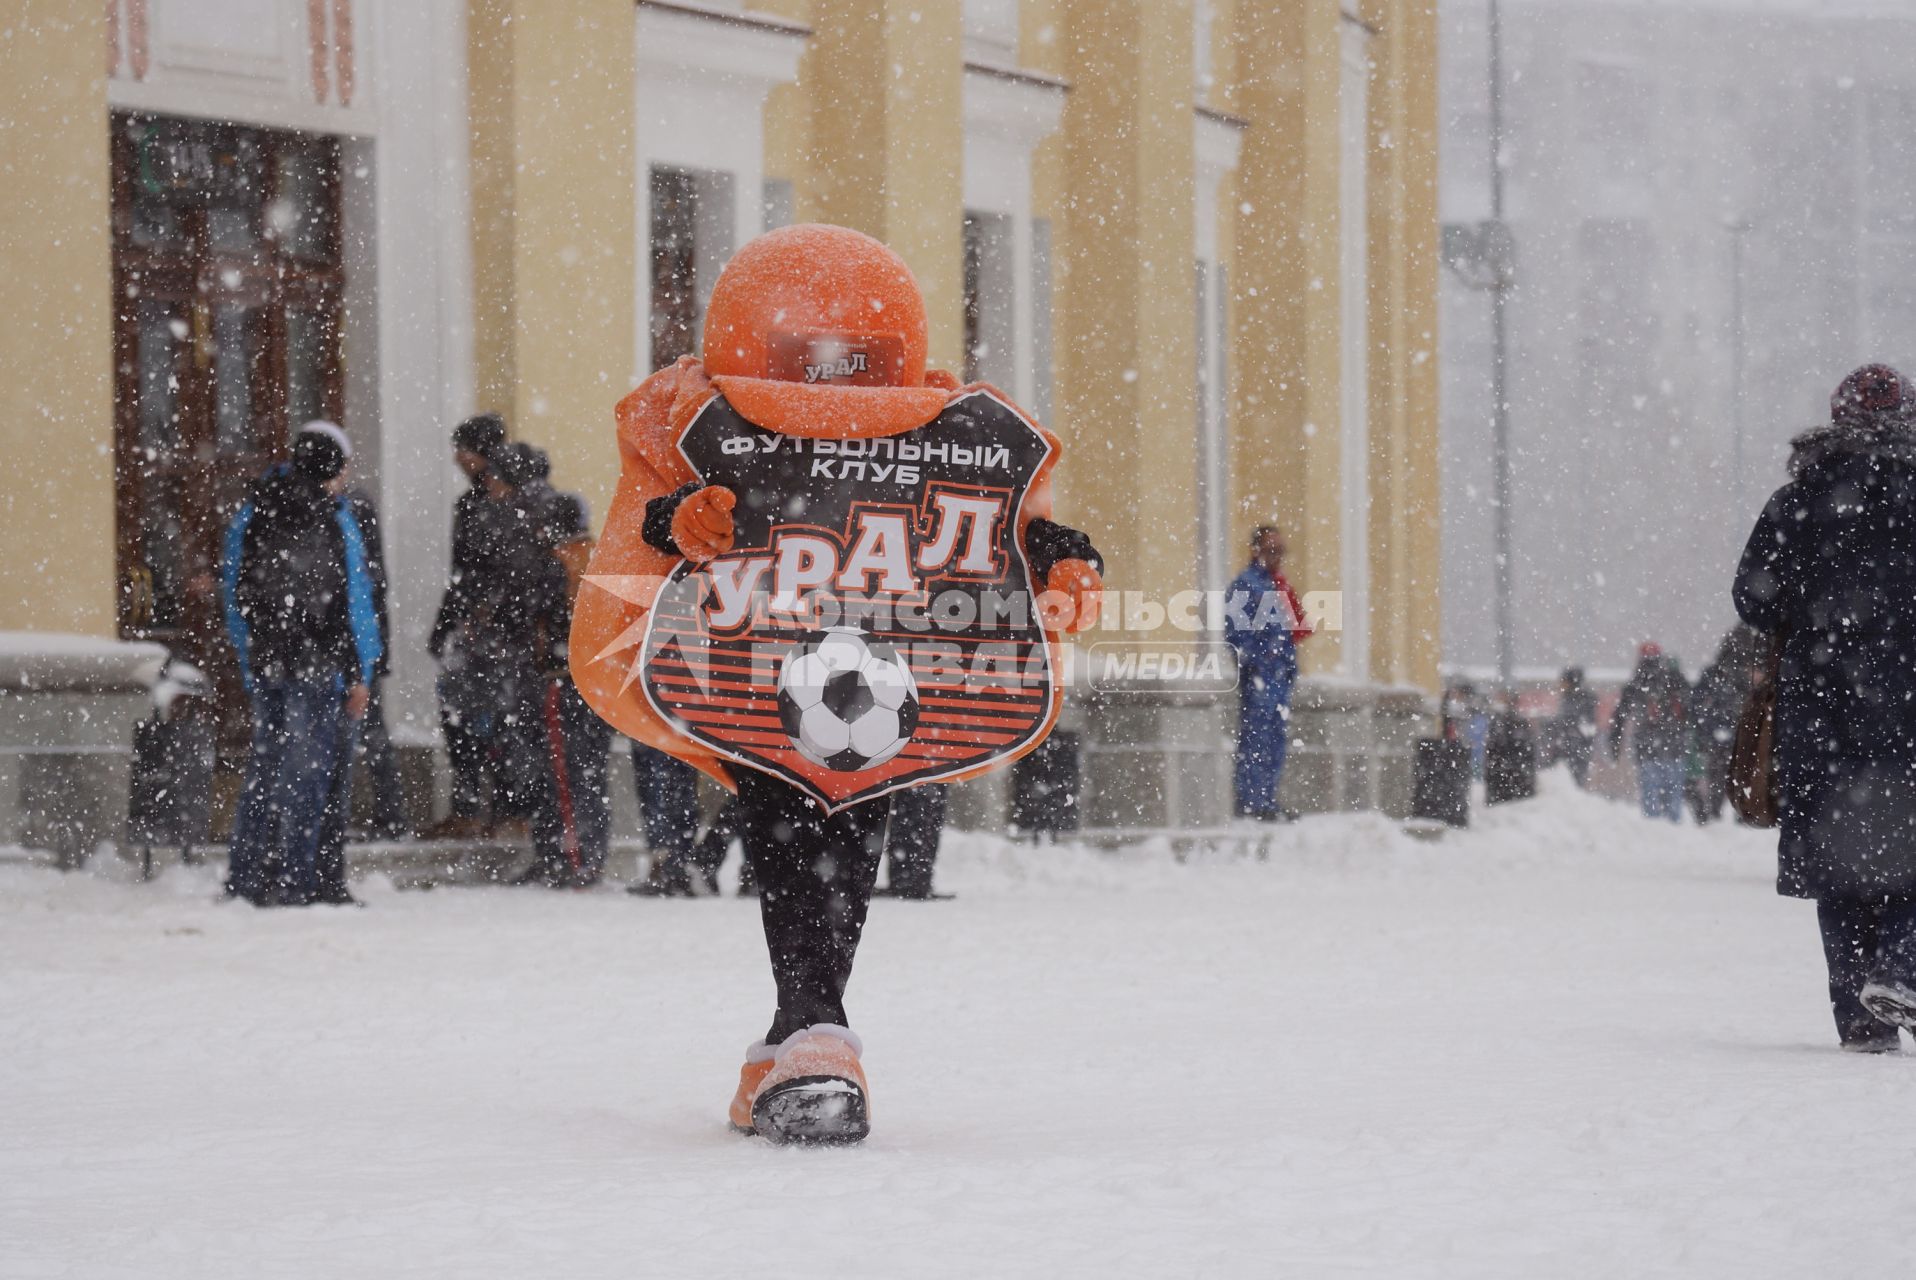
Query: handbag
[1753, 785]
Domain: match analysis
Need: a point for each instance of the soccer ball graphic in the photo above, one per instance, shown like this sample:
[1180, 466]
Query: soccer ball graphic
[847, 702]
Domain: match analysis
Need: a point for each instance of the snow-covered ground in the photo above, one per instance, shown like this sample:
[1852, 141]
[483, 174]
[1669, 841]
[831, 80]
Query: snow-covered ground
[1566, 1043]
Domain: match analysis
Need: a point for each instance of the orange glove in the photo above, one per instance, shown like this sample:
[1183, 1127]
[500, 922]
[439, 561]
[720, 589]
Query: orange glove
[702, 525]
[1073, 597]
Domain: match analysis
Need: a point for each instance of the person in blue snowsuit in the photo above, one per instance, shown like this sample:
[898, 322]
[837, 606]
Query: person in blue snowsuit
[301, 613]
[1263, 625]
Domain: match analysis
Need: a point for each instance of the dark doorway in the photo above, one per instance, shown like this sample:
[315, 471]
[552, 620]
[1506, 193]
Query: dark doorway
[691, 238]
[227, 307]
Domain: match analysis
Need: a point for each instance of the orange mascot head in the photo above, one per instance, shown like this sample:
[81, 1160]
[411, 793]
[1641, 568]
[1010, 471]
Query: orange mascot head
[817, 304]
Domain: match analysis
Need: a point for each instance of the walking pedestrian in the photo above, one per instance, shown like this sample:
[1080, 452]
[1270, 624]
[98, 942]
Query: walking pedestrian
[821, 331]
[300, 613]
[1575, 724]
[1653, 712]
[1263, 625]
[1829, 573]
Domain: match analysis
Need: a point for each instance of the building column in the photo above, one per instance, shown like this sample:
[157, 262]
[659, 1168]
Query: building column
[1405, 525]
[551, 102]
[884, 84]
[1126, 328]
[57, 505]
[1286, 364]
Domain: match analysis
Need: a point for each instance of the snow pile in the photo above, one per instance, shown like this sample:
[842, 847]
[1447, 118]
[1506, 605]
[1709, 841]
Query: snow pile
[1564, 1043]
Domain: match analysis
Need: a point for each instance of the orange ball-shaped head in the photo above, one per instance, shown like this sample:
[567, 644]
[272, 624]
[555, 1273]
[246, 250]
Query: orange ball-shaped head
[817, 304]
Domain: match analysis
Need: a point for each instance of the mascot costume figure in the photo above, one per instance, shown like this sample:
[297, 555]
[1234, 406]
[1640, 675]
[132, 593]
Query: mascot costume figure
[828, 574]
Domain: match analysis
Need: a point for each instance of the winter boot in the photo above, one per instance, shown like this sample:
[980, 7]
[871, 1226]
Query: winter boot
[667, 879]
[1882, 1039]
[815, 1091]
[541, 871]
[1891, 1000]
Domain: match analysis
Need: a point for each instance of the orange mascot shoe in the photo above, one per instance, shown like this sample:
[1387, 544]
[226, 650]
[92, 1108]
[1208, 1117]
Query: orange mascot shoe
[758, 1065]
[811, 1090]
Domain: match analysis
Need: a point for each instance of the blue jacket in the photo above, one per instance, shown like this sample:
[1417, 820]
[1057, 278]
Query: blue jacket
[1257, 626]
[297, 584]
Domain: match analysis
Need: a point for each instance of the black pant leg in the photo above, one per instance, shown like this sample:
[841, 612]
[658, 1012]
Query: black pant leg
[710, 851]
[911, 844]
[330, 858]
[588, 748]
[533, 750]
[465, 747]
[1852, 931]
[1896, 941]
[815, 876]
[382, 764]
[667, 790]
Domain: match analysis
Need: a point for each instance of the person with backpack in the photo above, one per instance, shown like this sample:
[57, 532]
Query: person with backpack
[1654, 710]
[301, 614]
[556, 748]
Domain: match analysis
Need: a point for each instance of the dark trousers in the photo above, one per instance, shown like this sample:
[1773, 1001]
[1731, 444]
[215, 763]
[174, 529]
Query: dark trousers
[911, 844]
[571, 806]
[815, 877]
[466, 715]
[1865, 938]
[668, 790]
[332, 830]
[1263, 733]
[373, 750]
[274, 854]
[1576, 753]
[712, 847]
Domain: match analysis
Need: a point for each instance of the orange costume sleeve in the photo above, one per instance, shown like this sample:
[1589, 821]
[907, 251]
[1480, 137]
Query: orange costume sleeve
[625, 574]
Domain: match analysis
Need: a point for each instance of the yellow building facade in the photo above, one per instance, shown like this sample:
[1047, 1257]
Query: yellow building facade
[1197, 237]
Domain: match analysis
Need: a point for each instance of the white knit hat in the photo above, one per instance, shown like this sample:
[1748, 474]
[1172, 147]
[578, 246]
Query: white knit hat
[321, 427]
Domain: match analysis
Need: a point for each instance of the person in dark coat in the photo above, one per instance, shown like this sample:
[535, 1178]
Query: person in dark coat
[1653, 710]
[554, 749]
[466, 705]
[299, 611]
[1575, 724]
[1510, 755]
[1830, 572]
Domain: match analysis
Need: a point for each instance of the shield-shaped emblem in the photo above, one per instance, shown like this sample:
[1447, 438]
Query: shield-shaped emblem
[875, 624]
